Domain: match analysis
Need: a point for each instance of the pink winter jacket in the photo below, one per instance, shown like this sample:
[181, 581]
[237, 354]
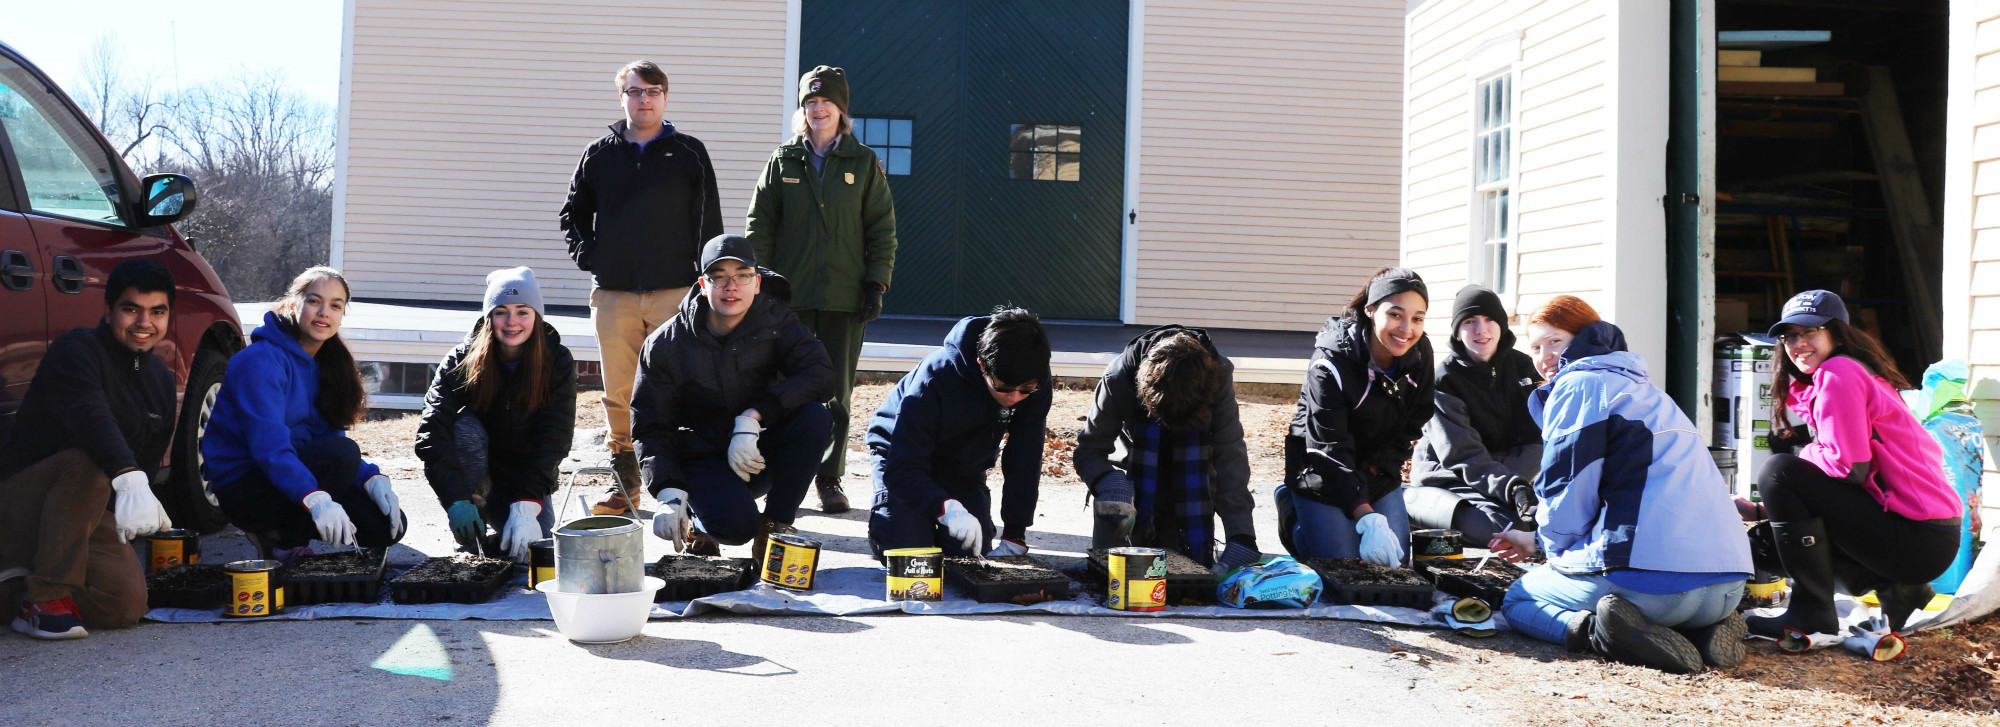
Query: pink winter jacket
[1857, 417]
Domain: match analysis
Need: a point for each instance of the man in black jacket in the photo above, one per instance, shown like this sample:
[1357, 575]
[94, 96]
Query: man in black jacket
[641, 203]
[95, 424]
[729, 406]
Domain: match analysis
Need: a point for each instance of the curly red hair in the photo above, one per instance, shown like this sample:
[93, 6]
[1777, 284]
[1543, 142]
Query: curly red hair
[1566, 312]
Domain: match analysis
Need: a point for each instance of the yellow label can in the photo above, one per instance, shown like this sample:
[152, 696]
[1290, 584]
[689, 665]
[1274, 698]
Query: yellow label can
[255, 589]
[1138, 579]
[541, 561]
[172, 547]
[790, 561]
[1436, 544]
[915, 574]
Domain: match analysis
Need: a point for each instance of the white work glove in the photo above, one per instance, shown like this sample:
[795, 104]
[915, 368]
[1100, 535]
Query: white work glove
[672, 522]
[335, 528]
[135, 508]
[1006, 548]
[522, 528]
[384, 496]
[744, 458]
[1378, 543]
[962, 526]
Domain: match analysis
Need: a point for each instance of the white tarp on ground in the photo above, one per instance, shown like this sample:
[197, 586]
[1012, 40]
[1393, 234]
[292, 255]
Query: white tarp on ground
[846, 591]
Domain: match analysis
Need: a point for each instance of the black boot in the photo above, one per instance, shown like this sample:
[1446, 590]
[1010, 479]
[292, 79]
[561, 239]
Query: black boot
[1623, 633]
[1902, 599]
[1808, 558]
[1720, 643]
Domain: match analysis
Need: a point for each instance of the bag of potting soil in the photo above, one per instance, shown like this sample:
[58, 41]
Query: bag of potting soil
[1278, 581]
[1947, 414]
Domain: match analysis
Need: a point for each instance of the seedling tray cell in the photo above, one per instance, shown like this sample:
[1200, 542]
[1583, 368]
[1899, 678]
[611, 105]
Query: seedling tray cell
[451, 579]
[197, 586]
[1188, 582]
[1456, 578]
[349, 576]
[1358, 582]
[1018, 579]
[689, 577]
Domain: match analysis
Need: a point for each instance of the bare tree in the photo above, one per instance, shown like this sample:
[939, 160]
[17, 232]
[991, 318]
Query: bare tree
[129, 108]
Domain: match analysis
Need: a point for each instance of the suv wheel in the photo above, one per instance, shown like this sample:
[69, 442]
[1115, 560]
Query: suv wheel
[187, 497]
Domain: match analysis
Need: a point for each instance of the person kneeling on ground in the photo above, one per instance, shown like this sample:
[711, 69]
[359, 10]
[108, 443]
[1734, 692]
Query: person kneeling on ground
[276, 451]
[1366, 396]
[1474, 469]
[1865, 505]
[728, 407]
[1646, 559]
[1163, 450]
[98, 417]
[939, 431]
[499, 419]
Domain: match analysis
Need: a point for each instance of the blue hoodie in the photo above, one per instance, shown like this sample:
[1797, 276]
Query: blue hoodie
[1626, 481]
[939, 431]
[265, 411]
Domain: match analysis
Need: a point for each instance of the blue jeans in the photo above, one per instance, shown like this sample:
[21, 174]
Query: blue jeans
[1542, 603]
[725, 507]
[1320, 530]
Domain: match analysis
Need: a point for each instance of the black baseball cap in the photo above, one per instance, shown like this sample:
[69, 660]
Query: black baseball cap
[1811, 309]
[727, 247]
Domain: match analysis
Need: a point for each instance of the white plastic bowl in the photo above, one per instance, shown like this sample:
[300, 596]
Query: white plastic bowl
[601, 618]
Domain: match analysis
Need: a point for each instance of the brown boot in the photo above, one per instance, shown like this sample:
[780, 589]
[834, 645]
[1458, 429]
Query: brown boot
[623, 497]
[831, 500]
[764, 537]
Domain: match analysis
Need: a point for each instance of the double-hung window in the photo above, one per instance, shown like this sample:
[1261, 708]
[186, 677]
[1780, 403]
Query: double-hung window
[1493, 183]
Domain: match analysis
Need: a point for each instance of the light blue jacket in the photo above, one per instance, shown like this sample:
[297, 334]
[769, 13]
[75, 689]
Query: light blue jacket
[1626, 480]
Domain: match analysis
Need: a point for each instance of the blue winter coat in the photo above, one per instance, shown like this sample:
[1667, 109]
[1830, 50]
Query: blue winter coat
[939, 431]
[265, 412]
[1626, 480]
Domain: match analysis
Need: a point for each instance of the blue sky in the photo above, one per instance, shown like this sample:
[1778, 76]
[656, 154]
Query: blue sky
[202, 39]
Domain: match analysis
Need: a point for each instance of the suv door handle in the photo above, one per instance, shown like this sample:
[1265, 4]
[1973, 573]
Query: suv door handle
[68, 275]
[17, 270]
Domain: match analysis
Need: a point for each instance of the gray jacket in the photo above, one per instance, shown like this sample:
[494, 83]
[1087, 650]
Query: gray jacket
[1106, 440]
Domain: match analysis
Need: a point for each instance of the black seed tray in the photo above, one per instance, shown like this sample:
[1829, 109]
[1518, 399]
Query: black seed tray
[1371, 594]
[1455, 577]
[688, 590]
[1054, 587]
[1188, 583]
[210, 597]
[407, 592]
[308, 590]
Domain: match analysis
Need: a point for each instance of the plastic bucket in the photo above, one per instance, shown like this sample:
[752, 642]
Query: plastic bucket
[601, 618]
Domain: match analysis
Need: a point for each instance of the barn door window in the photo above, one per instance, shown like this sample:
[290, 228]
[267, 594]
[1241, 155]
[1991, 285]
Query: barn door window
[1045, 152]
[890, 138]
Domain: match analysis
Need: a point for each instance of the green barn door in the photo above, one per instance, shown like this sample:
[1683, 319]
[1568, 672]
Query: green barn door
[1014, 117]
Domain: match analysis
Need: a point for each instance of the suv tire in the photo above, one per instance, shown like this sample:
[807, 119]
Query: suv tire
[186, 494]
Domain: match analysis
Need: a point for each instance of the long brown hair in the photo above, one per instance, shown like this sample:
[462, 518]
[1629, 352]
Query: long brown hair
[485, 377]
[1848, 341]
[341, 397]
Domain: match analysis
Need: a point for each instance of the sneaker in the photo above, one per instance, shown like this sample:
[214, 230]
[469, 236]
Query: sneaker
[1624, 634]
[1721, 643]
[19, 571]
[51, 620]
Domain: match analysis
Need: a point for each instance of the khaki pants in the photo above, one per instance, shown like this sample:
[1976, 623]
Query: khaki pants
[53, 520]
[623, 320]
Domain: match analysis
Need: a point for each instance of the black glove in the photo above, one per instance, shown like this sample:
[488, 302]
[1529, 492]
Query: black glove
[871, 304]
[1523, 496]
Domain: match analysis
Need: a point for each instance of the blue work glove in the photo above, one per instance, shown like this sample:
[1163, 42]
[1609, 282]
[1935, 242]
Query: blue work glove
[467, 525]
[1234, 556]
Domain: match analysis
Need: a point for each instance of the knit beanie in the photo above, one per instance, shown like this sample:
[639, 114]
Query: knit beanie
[1476, 300]
[825, 81]
[514, 285]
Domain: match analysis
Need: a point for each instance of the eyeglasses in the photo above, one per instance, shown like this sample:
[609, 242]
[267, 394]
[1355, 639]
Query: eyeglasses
[654, 92]
[1798, 334]
[1024, 390]
[741, 280]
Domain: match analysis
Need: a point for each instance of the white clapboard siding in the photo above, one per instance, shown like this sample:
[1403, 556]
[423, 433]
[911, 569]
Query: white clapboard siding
[1971, 272]
[465, 121]
[1561, 142]
[1270, 150]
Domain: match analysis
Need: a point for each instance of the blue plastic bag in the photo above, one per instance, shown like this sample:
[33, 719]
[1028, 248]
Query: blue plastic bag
[1278, 581]
[1946, 413]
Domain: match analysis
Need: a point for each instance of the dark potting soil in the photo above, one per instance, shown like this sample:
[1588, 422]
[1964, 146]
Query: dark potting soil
[455, 569]
[188, 578]
[674, 568]
[1177, 564]
[1498, 574]
[1003, 569]
[1358, 572]
[337, 565]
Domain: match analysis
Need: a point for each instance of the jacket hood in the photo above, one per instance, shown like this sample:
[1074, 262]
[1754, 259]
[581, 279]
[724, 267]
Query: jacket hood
[1347, 337]
[775, 290]
[1600, 346]
[960, 346]
[275, 332]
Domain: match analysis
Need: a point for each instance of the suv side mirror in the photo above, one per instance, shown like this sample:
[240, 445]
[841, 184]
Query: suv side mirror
[168, 197]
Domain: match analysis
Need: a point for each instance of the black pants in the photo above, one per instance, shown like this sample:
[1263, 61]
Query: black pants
[257, 506]
[1871, 545]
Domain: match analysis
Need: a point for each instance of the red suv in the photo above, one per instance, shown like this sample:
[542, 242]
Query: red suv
[70, 210]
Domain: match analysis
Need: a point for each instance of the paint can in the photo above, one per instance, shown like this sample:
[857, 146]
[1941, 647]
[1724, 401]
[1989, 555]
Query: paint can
[915, 574]
[1138, 579]
[172, 547]
[1436, 544]
[790, 561]
[256, 588]
[1765, 590]
[541, 562]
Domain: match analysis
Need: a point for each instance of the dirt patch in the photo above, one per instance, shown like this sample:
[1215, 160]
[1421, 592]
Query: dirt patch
[336, 565]
[188, 578]
[690, 568]
[455, 569]
[1358, 572]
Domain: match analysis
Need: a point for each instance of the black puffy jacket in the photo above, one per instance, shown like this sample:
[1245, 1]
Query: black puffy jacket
[636, 218]
[525, 449]
[1355, 424]
[93, 393]
[691, 386]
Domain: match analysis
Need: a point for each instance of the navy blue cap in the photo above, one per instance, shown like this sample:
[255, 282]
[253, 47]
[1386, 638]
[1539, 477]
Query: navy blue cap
[1811, 309]
[727, 247]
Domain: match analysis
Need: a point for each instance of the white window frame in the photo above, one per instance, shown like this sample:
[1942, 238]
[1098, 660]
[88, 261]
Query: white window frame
[1481, 257]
